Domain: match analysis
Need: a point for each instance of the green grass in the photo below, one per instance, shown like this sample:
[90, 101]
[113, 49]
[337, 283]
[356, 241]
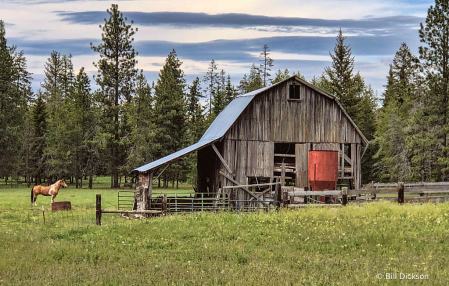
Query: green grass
[344, 246]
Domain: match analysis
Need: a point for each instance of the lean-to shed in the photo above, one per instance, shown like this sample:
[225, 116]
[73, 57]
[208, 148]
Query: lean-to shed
[260, 130]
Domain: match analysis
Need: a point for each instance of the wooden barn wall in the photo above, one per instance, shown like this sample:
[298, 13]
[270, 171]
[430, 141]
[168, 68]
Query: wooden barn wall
[314, 119]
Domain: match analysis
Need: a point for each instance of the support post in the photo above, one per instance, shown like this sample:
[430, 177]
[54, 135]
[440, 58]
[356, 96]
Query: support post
[344, 193]
[98, 209]
[306, 198]
[164, 204]
[401, 192]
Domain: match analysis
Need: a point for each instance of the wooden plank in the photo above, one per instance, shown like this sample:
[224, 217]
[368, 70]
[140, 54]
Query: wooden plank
[237, 185]
[131, 212]
[313, 193]
[221, 159]
[425, 191]
[419, 184]
[254, 185]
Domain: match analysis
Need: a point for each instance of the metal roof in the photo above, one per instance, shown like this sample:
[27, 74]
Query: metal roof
[216, 130]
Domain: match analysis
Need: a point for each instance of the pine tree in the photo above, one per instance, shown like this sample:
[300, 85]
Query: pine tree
[56, 84]
[116, 73]
[395, 119]
[39, 115]
[219, 100]
[344, 85]
[267, 63]
[280, 76]
[141, 151]
[230, 92]
[254, 79]
[14, 93]
[243, 85]
[82, 121]
[211, 79]
[170, 113]
[435, 59]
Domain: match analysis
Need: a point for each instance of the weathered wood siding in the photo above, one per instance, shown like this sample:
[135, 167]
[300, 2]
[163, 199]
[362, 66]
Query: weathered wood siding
[316, 122]
[272, 117]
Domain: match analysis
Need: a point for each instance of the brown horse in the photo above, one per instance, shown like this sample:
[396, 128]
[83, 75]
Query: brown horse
[51, 190]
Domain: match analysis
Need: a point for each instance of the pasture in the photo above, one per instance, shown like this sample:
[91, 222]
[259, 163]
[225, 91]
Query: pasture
[314, 246]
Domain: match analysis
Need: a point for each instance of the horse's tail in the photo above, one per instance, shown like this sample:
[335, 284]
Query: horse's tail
[32, 195]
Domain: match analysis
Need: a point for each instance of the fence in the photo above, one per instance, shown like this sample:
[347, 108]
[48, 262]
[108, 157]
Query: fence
[125, 199]
[363, 195]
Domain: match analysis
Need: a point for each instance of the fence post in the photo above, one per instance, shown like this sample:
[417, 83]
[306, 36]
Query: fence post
[306, 198]
[285, 199]
[401, 192]
[344, 193]
[98, 209]
[164, 204]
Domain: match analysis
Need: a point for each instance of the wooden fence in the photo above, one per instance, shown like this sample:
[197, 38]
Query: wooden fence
[426, 192]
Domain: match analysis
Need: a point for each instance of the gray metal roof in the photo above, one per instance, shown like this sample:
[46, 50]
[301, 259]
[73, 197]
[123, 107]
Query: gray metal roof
[215, 131]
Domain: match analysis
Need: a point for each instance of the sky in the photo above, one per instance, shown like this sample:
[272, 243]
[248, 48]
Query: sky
[300, 34]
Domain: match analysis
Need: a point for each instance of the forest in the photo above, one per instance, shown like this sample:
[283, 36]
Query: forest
[79, 127]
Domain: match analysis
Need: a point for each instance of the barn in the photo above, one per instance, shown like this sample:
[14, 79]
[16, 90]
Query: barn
[265, 130]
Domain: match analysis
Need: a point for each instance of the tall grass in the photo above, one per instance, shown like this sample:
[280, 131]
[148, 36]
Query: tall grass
[344, 246]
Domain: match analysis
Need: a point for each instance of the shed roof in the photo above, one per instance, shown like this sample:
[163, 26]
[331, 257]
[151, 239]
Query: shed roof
[216, 130]
[224, 121]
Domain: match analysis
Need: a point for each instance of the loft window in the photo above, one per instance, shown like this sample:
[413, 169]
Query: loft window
[293, 92]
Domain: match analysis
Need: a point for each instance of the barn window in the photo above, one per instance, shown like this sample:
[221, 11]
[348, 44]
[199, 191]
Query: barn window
[294, 91]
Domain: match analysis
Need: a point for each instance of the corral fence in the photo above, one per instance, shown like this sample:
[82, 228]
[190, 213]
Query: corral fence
[125, 199]
[417, 193]
[282, 196]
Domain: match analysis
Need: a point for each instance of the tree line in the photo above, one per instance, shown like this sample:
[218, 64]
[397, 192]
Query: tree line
[66, 129]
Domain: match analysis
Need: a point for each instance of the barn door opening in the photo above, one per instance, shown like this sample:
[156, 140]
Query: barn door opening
[284, 153]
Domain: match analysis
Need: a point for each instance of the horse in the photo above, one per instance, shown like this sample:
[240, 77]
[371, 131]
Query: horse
[51, 190]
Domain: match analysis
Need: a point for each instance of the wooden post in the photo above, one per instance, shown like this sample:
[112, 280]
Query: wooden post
[43, 213]
[279, 198]
[401, 192]
[164, 204]
[344, 193]
[306, 198]
[285, 199]
[98, 209]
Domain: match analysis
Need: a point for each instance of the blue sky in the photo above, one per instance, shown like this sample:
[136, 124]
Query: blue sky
[300, 34]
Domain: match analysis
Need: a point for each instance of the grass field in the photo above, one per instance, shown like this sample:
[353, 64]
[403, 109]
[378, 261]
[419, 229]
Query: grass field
[344, 246]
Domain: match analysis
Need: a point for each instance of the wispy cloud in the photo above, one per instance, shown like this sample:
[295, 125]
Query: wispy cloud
[183, 19]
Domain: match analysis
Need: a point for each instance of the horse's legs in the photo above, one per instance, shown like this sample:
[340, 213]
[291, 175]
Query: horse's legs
[35, 196]
[53, 198]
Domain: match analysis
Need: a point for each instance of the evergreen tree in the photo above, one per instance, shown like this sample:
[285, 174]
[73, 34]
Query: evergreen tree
[39, 116]
[141, 151]
[435, 59]
[395, 119]
[211, 80]
[194, 112]
[267, 63]
[343, 84]
[280, 76]
[170, 113]
[254, 79]
[14, 93]
[230, 92]
[82, 120]
[116, 73]
[219, 100]
[243, 85]
[56, 85]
